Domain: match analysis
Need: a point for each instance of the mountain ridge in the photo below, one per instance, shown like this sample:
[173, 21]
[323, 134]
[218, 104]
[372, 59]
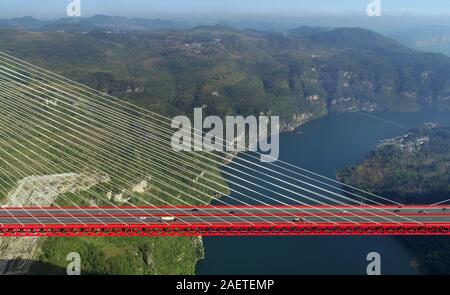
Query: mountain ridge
[230, 71]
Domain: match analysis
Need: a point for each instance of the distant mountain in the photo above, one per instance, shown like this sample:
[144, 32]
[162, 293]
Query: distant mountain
[299, 75]
[87, 24]
[305, 31]
[359, 38]
[23, 23]
[110, 23]
[426, 38]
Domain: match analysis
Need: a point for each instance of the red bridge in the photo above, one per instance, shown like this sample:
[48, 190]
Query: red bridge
[225, 221]
[51, 125]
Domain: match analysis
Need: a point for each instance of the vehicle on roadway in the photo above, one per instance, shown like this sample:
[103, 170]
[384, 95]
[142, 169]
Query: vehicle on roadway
[142, 218]
[168, 218]
[298, 219]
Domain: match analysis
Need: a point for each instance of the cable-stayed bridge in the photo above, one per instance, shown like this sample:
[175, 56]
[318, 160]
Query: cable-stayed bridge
[75, 161]
[212, 221]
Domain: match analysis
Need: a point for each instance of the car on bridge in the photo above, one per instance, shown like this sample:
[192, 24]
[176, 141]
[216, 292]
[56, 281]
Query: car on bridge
[168, 218]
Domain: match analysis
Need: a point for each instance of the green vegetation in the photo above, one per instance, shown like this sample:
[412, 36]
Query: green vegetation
[299, 76]
[228, 71]
[413, 168]
[126, 256]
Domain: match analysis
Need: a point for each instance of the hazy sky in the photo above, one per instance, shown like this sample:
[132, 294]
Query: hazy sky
[238, 8]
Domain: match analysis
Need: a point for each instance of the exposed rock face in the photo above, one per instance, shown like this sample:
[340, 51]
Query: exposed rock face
[119, 198]
[140, 187]
[296, 121]
[16, 254]
[42, 190]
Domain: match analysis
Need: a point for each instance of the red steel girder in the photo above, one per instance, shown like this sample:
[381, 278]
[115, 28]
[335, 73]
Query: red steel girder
[58, 230]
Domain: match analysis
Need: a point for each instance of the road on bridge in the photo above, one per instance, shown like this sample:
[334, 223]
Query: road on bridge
[224, 215]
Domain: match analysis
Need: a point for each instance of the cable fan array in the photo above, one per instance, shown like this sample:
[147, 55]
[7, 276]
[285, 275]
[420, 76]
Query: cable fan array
[68, 146]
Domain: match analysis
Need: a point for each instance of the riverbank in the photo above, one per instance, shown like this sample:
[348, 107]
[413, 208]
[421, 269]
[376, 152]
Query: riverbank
[411, 168]
[324, 146]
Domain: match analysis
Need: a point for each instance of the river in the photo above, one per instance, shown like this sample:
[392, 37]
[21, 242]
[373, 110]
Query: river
[324, 146]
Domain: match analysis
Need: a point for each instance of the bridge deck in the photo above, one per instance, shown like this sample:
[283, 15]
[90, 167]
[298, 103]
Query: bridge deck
[225, 221]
